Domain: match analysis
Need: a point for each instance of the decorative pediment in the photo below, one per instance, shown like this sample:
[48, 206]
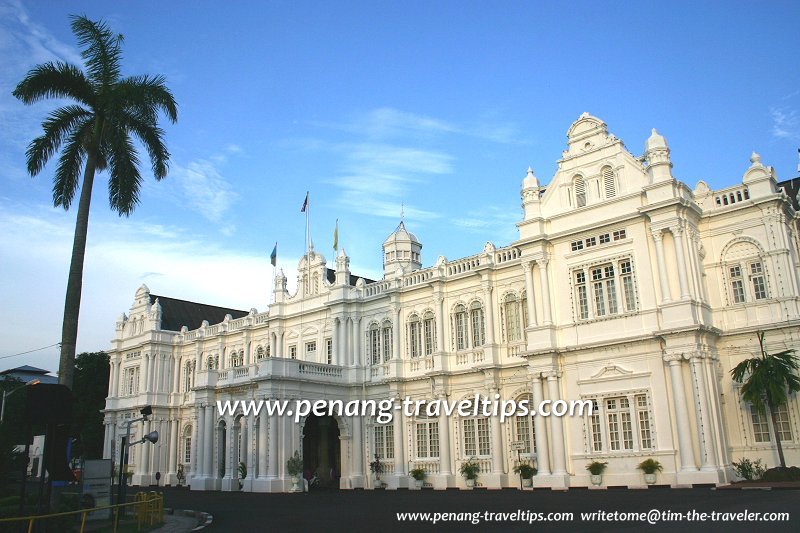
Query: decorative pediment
[612, 369]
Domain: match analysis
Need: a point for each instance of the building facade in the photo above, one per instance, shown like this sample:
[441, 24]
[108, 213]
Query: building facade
[625, 288]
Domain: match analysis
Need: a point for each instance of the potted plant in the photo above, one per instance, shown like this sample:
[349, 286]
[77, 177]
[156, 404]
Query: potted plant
[294, 467]
[181, 475]
[596, 469]
[376, 467]
[527, 472]
[650, 467]
[242, 473]
[470, 470]
[419, 476]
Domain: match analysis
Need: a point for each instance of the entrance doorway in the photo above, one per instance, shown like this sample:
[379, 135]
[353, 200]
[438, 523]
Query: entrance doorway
[322, 451]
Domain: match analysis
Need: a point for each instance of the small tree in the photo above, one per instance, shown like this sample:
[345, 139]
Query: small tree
[767, 381]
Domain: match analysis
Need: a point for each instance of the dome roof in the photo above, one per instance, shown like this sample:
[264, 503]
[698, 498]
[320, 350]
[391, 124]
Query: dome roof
[656, 140]
[401, 234]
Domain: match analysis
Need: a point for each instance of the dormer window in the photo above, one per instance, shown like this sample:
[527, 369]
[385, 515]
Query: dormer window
[580, 191]
[608, 182]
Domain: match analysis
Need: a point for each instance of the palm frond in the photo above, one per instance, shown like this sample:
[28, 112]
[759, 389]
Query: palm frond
[102, 50]
[57, 127]
[153, 139]
[124, 181]
[55, 80]
[70, 164]
[148, 95]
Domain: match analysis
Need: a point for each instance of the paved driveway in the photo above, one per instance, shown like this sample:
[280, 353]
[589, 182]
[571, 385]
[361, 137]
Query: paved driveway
[353, 511]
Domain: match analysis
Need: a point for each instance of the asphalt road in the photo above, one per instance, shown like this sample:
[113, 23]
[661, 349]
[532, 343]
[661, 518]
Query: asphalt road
[355, 511]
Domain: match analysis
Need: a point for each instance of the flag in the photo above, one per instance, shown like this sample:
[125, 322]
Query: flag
[336, 237]
[273, 257]
[305, 204]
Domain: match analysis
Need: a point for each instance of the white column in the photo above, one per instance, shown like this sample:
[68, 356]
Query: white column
[677, 234]
[543, 279]
[262, 444]
[540, 428]
[681, 413]
[396, 334]
[487, 295]
[288, 447]
[708, 456]
[497, 439]
[444, 441]
[208, 457]
[357, 359]
[147, 370]
[440, 318]
[176, 378]
[336, 340]
[230, 445]
[662, 268]
[556, 426]
[112, 371]
[399, 456]
[174, 448]
[116, 376]
[251, 447]
[273, 447]
[107, 441]
[199, 449]
[526, 267]
[358, 447]
[145, 449]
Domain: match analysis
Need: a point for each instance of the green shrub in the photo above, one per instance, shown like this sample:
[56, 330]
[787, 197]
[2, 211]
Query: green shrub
[749, 470]
[791, 473]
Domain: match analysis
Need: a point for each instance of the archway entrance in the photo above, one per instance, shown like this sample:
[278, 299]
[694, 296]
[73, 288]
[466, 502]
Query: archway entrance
[322, 450]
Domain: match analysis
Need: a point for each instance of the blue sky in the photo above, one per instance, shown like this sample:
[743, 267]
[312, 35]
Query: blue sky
[440, 106]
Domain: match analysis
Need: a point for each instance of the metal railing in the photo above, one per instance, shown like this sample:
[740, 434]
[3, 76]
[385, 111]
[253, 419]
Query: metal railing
[148, 510]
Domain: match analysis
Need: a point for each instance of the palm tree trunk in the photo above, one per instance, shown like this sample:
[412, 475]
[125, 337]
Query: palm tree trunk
[774, 417]
[72, 302]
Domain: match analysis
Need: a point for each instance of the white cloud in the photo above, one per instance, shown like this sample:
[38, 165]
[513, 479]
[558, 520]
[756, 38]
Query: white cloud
[206, 190]
[785, 123]
[121, 255]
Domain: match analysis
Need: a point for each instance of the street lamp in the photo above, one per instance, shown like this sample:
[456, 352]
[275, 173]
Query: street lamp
[6, 394]
[150, 437]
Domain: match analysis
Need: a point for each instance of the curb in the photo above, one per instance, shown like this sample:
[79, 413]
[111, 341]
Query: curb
[203, 519]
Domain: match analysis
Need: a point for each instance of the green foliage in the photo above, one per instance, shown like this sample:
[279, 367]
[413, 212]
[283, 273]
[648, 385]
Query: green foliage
[791, 473]
[596, 468]
[470, 469]
[525, 470]
[89, 391]
[767, 381]
[650, 466]
[376, 466]
[294, 466]
[418, 473]
[749, 470]
[242, 470]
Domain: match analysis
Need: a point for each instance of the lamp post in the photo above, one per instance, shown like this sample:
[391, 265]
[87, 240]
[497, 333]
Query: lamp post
[126, 444]
[6, 394]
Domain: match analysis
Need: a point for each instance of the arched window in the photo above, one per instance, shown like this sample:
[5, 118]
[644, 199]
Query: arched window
[187, 445]
[475, 433]
[608, 182]
[746, 273]
[375, 343]
[511, 318]
[460, 327]
[580, 191]
[386, 334]
[429, 332]
[261, 353]
[426, 436]
[523, 426]
[188, 375]
[414, 336]
[476, 323]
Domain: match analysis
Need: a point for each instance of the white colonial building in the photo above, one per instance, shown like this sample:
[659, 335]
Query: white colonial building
[625, 287]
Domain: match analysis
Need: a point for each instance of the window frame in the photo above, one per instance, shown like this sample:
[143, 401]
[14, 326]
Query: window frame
[623, 429]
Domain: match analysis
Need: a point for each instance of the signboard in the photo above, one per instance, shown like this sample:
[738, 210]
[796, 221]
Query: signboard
[96, 477]
[517, 445]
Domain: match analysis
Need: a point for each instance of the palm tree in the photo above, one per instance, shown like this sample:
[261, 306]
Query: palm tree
[766, 380]
[96, 133]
